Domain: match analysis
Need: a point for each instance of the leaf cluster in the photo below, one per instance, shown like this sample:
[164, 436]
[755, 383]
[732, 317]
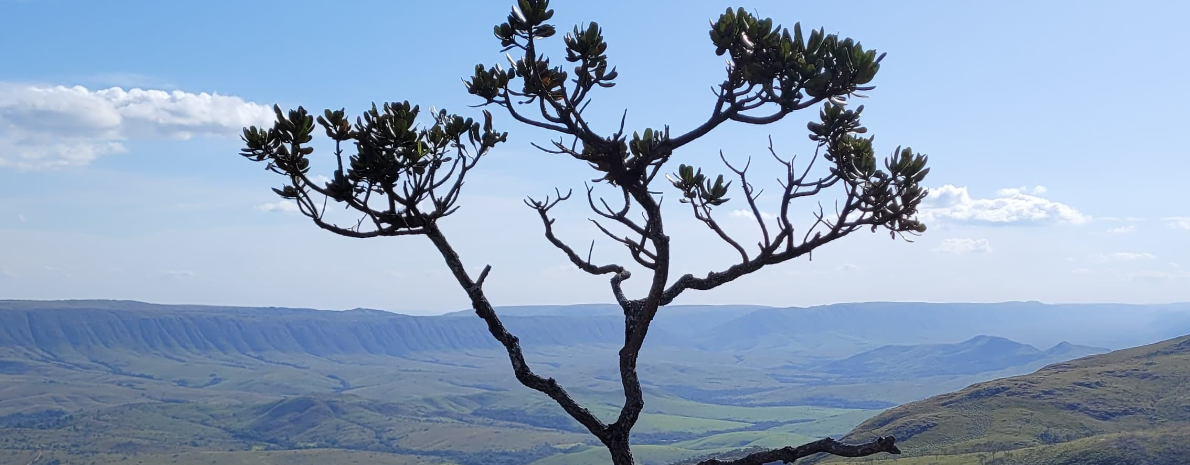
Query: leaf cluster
[395, 160]
[786, 64]
[890, 195]
[696, 186]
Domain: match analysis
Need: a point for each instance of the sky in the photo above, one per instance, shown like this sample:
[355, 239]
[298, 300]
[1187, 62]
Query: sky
[1057, 173]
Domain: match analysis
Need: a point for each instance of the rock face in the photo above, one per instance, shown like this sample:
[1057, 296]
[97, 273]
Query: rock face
[834, 331]
[53, 332]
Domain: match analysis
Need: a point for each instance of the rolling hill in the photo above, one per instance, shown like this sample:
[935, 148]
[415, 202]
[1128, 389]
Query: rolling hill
[110, 380]
[980, 354]
[1127, 406]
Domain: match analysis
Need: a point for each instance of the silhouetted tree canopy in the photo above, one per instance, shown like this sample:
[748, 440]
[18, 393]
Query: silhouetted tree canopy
[402, 178]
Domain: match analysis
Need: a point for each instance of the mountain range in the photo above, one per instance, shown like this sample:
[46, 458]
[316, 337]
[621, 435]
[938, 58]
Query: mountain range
[152, 380]
[826, 331]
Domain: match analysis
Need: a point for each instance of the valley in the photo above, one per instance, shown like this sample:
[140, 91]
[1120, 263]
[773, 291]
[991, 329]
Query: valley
[121, 382]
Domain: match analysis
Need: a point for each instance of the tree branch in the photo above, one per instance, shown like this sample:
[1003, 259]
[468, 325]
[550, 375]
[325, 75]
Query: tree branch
[828, 446]
[619, 273]
[511, 343]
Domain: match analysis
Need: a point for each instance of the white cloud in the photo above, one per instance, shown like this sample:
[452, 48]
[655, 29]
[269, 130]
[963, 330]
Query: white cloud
[21, 217]
[56, 271]
[841, 269]
[561, 269]
[1156, 276]
[284, 206]
[1130, 219]
[1123, 257]
[50, 127]
[954, 204]
[1082, 271]
[963, 246]
[741, 213]
[1011, 191]
[1122, 229]
[178, 274]
[1178, 222]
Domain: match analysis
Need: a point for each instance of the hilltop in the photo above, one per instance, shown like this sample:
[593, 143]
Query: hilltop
[1079, 411]
[980, 354]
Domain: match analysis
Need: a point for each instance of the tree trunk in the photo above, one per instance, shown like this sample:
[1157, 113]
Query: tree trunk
[621, 453]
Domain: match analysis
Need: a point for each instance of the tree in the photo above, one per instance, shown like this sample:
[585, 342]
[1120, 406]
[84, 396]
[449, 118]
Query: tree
[404, 179]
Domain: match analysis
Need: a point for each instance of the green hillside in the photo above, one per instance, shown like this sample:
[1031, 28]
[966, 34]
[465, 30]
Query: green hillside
[1097, 409]
[124, 382]
[444, 430]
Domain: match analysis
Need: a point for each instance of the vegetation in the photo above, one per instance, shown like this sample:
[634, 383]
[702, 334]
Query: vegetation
[402, 179]
[1123, 407]
[245, 385]
[351, 424]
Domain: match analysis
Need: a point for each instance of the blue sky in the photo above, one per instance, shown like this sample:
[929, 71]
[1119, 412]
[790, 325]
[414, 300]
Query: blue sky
[1057, 169]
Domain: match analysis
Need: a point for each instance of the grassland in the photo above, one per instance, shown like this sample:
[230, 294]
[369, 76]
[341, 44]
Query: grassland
[201, 385]
[338, 424]
[1128, 406]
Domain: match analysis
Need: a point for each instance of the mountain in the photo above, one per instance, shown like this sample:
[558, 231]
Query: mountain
[980, 354]
[81, 327]
[1137, 397]
[111, 382]
[832, 329]
[48, 327]
[106, 353]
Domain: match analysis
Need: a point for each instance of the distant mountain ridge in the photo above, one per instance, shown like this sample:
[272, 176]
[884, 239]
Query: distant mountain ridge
[717, 377]
[980, 354]
[51, 331]
[47, 327]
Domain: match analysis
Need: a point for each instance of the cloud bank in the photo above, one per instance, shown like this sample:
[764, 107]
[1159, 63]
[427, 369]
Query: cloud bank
[1178, 222]
[283, 206]
[51, 127]
[953, 204]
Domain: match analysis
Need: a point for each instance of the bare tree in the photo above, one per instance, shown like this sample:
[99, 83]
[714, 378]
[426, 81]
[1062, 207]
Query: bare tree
[402, 179]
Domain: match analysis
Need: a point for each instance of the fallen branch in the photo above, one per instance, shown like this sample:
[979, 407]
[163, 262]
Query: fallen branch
[828, 445]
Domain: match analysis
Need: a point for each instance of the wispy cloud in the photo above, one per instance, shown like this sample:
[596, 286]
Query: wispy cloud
[1178, 222]
[1123, 257]
[56, 271]
[963, 246]
[954, 204]
[741, 213]
[1122, 230]
[1011, 191]
[1156, 276]
[844, 268]
[283, 206]
[1130, 219]
[49, 127]
[179, 274]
